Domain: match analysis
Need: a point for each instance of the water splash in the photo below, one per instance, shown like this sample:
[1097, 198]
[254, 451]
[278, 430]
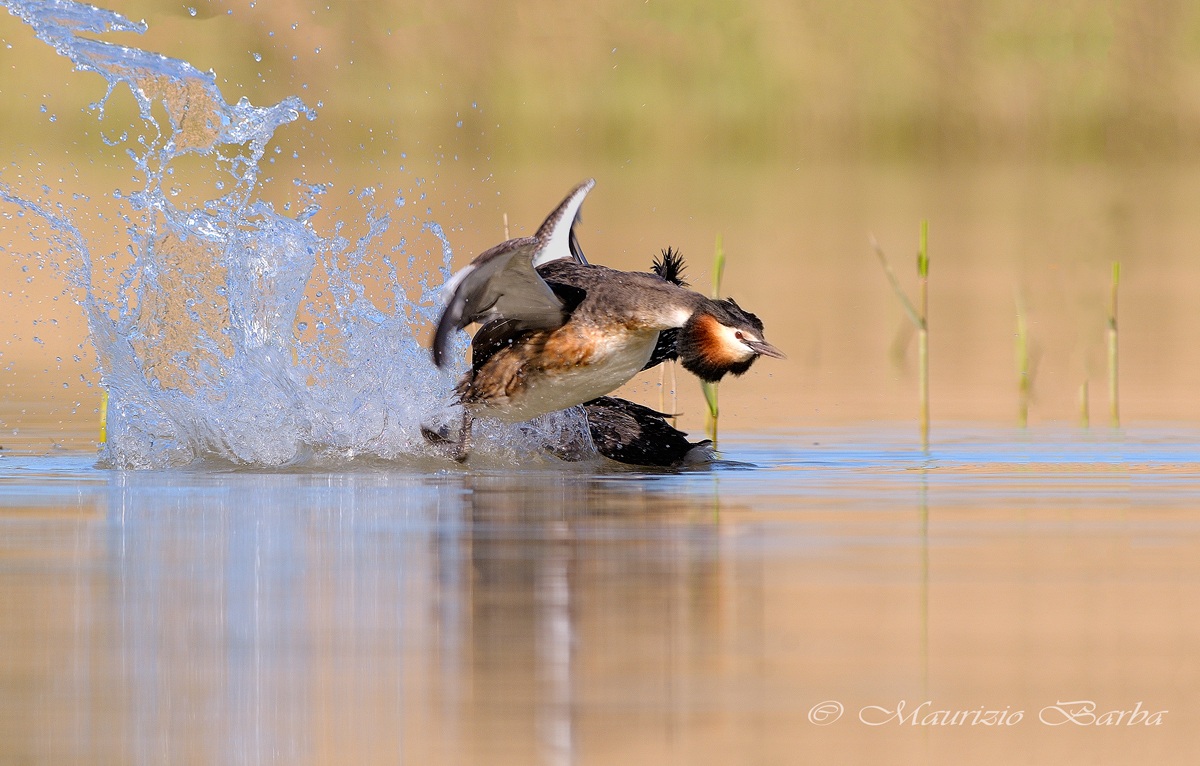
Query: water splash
[235, 331]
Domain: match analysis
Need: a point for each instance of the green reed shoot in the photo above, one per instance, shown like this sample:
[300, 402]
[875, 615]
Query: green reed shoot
[1085, 416]
[103, 415]
[710, 389]
[919, 316]
[1114, 409]
[718, 268]
[710, 422]
[923, 330]
[1022, 340]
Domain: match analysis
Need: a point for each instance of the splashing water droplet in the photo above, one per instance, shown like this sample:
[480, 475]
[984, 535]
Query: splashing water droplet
[237, 332]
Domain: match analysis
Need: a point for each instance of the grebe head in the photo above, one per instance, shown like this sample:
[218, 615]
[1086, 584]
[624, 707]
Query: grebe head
[722, 337]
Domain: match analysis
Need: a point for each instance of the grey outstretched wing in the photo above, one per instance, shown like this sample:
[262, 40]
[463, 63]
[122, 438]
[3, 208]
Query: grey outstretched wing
[503, 283]
[499, 284]
[557, 232]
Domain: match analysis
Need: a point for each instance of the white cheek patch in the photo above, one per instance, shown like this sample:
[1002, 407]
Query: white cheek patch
[732, 346]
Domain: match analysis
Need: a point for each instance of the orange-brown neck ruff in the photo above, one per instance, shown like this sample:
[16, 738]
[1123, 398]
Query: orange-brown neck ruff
[704, 351]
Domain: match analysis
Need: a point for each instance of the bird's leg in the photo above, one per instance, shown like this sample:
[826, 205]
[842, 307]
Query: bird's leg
[457, 447]
[463, 447]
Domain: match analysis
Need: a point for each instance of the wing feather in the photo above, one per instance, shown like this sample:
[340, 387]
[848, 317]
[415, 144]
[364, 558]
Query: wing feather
[503, 282]
[500, 283]
[557, 232]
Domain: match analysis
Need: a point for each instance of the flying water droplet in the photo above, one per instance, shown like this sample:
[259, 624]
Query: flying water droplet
[205, 340]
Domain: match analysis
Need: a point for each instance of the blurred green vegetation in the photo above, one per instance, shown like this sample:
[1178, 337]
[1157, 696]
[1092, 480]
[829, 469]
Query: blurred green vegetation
[759, 80]
[1043, 140]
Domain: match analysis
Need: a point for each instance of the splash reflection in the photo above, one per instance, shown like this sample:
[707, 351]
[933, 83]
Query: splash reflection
[284, 618]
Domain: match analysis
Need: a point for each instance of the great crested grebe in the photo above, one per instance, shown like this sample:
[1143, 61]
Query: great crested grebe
[630, 433]
[557, 331]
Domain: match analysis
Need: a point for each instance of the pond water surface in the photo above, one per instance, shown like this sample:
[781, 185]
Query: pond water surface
[242, 263]
[817, 601]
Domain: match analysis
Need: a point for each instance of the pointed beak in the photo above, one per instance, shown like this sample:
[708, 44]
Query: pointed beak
[765, 349]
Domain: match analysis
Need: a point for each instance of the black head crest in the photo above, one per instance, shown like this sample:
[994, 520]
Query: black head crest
[730, 314]
[670, 267]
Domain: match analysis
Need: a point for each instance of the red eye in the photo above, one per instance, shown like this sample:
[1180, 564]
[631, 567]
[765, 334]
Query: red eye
[739, 335]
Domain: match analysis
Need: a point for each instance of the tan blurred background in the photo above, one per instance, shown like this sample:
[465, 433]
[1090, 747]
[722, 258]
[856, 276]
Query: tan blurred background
[1041, 141]
[448, 616]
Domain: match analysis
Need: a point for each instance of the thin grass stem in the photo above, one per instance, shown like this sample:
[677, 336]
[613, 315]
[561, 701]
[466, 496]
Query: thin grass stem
[718, 268]
[710, 389]
[674, 395]
[1114, 405]
[1085, 415]
[714, 413]
[918, 315]
[1022, 341]
[895, 283]
[104, 416]
[923, 331]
